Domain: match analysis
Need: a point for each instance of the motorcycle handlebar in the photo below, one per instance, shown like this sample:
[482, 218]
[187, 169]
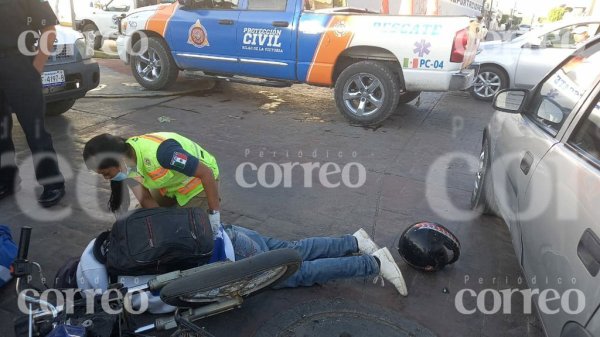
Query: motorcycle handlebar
[24, 243]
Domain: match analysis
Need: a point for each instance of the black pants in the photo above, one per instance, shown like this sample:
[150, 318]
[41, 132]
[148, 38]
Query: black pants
[21, 93]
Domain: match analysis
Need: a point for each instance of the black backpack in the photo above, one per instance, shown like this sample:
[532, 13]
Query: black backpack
[66, 276]
[155, 241]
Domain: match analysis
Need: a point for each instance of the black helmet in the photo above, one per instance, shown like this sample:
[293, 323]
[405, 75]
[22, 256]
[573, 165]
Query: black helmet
[428, 246]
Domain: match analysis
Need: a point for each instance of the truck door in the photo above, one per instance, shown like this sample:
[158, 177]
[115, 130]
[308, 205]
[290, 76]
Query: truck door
[266, 45]
[202, 36]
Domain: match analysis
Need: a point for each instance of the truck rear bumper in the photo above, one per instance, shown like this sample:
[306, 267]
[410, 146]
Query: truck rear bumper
[81, 77]
[464, 79]
[438, 80]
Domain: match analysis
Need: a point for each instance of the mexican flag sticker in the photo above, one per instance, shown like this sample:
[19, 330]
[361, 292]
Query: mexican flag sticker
[179, 160]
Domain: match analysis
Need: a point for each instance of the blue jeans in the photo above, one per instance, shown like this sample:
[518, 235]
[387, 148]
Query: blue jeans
[324, 258]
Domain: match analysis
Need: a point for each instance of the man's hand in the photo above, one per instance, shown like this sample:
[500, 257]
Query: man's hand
[215, 220]
[45, 45]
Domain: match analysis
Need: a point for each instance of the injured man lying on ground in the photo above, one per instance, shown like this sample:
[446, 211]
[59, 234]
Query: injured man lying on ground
[324, 258]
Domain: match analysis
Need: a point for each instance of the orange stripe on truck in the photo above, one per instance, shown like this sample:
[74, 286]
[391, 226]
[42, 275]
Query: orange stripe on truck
[160, 19]
[335, 40]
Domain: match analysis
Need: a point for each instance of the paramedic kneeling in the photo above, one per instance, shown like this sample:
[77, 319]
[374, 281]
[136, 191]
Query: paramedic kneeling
[163, 169]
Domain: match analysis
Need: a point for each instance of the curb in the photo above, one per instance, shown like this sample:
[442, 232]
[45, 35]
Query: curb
[210, 84]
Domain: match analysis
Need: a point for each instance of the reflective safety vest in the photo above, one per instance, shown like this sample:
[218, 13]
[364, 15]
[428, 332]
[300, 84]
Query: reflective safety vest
[170, 183]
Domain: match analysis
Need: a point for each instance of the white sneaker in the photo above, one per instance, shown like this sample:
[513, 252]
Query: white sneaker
[365, 243]
[390, 270]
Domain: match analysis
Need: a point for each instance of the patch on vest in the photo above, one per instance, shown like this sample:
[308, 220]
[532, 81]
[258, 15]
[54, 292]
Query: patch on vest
[179, 160]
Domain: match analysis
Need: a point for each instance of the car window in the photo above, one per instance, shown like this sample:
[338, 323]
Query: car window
[570, 36]
[267, 5]
[587, 136]
[118, 6]
[215, 4]
[559, 94]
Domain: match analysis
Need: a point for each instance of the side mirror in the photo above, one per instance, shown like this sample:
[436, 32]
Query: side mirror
[510, 100]
[533, 43]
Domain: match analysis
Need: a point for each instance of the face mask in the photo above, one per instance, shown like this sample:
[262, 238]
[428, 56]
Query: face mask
[121, 175]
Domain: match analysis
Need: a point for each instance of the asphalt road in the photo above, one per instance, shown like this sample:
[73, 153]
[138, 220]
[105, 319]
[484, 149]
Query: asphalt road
[405, 162]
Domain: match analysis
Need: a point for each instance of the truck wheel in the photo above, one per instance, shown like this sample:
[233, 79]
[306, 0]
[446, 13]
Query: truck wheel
[90, 30]
[488, 82]
[408, 96]
[367, 92]
[154, 68]
[59, 107]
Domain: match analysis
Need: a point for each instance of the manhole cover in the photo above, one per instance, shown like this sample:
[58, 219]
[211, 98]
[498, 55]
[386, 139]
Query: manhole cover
[341, 318]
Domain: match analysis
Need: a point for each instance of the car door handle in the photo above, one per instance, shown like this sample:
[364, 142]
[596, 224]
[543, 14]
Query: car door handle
[281, 24]
[226, 22]
[526, 162]
[588, 251]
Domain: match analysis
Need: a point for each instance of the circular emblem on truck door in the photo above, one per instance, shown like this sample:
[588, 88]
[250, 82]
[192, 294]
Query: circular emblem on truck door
[198, 35]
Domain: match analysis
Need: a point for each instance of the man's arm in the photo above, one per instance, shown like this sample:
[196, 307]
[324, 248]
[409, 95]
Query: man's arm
[172, 156]
[211, 188]
[48, 36]
[143, 195]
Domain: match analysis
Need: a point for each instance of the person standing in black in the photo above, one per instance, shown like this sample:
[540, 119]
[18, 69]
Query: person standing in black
[21, 65]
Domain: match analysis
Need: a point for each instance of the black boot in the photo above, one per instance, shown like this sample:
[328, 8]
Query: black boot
[52, 195]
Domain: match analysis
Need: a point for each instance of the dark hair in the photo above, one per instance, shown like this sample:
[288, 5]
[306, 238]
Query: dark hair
[102, 152]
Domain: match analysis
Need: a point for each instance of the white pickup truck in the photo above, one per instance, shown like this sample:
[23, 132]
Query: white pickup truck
[374, 62]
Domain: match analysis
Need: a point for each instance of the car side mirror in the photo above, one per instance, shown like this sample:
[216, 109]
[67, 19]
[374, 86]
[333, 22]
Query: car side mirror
[510, 100]
[533, 43]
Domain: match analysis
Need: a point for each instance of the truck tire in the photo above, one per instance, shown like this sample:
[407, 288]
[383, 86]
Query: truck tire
[154, 69]
[367, 92]
[59, 107]
[408, 96]
[90, 29]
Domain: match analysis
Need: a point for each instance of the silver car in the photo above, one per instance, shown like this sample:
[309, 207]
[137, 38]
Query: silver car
[523, 62]
[539, 170]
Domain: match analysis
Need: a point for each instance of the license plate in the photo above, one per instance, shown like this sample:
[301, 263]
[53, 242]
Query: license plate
[53, 78]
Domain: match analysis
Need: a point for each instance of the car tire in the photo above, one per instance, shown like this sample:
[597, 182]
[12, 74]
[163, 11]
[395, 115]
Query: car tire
[91, 29]
[482, 197]
[488, 82]
[155, 69]
[408, 96]
[59, 107]
[367, 92]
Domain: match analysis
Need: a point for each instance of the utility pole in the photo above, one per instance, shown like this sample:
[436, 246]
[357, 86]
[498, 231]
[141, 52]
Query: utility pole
[73, 25]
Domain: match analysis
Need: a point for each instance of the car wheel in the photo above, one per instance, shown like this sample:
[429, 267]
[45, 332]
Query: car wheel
[59, 107]
[367, 92]
[488, 82]
[90, 30]
[408, 96]
[153, 68]
[482, 197]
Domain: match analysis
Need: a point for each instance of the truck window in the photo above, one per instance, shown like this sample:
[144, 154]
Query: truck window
[314, 5]
[267, 5]
[215, 4]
